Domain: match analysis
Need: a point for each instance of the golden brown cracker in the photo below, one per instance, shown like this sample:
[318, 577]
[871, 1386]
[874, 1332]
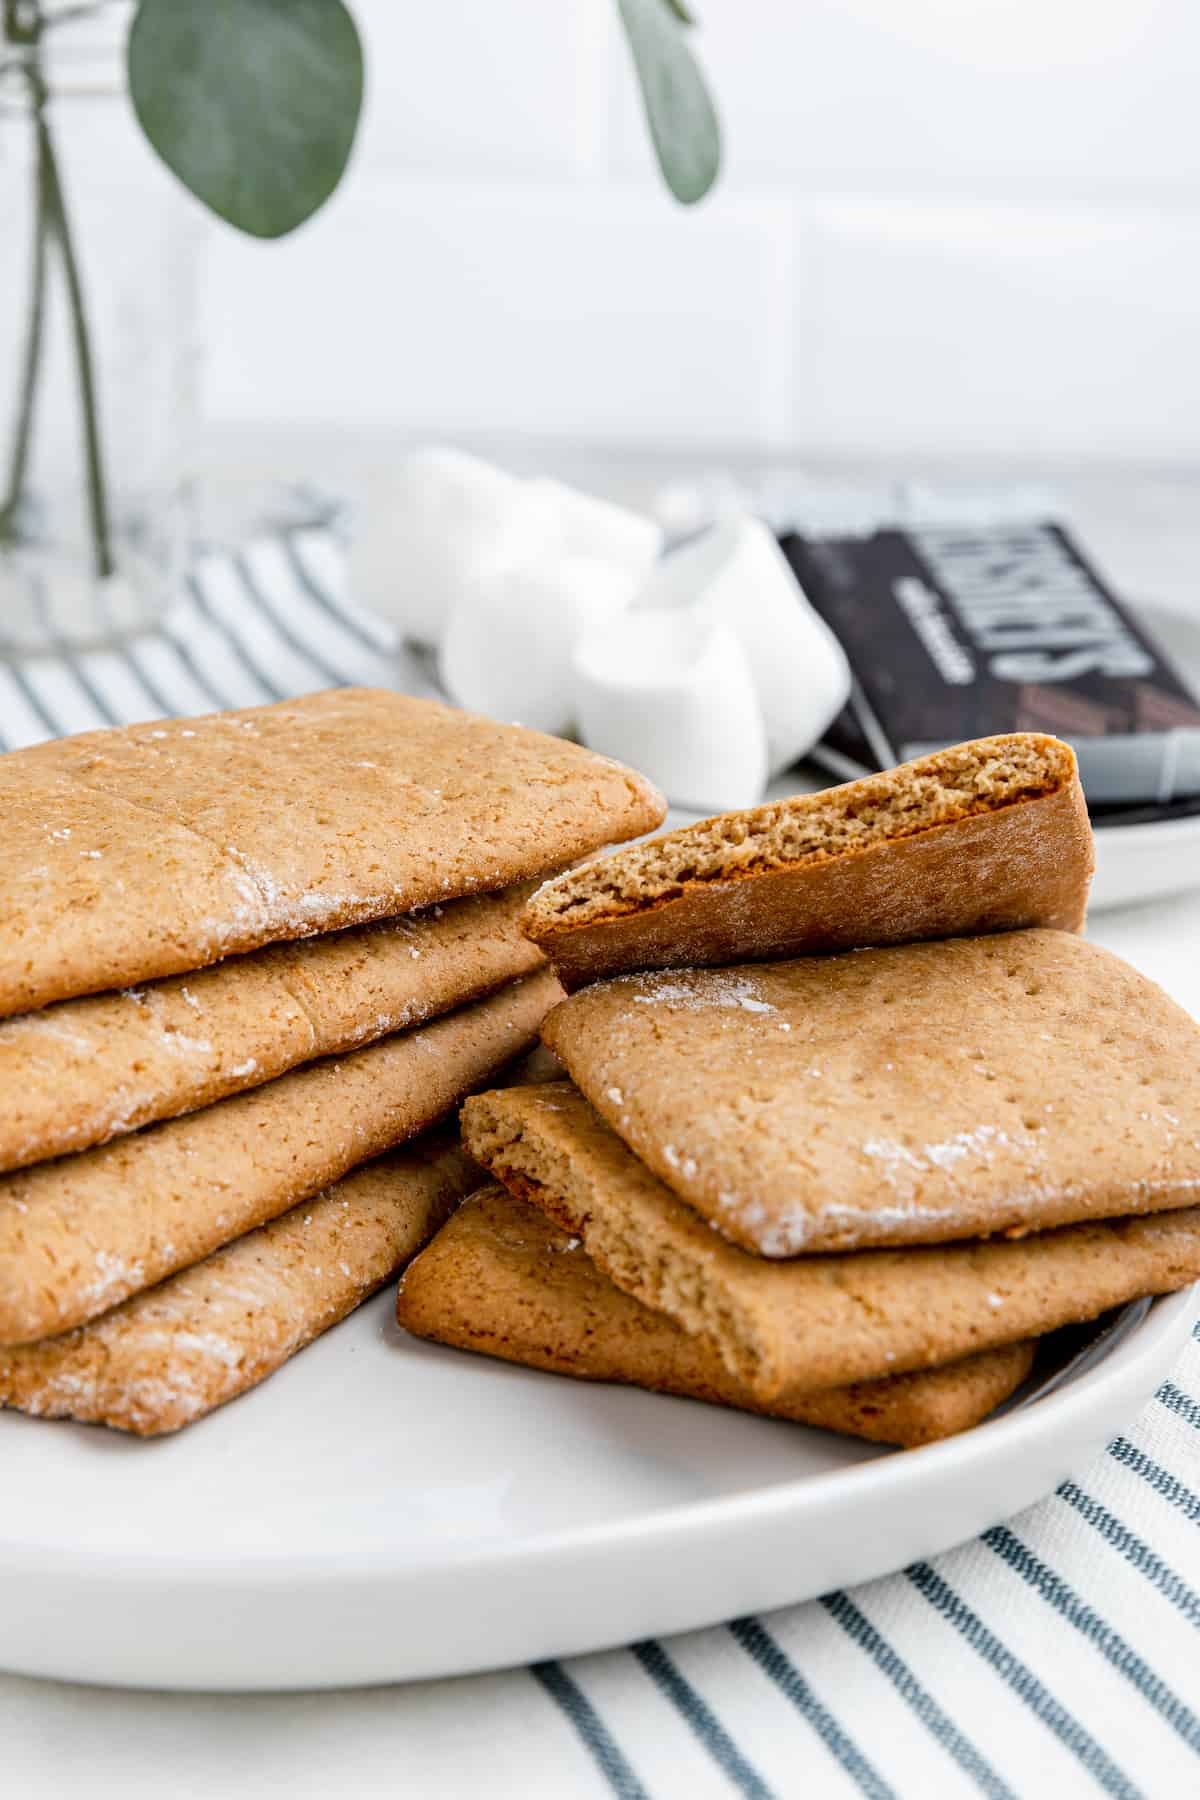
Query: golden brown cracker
[991, 835]
[502, 1279]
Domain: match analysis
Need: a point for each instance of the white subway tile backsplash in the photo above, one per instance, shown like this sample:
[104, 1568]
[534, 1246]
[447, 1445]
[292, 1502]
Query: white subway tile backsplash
[472, 88]
[580, 313]
[944, 227]
[924, 328]
[1045, 100]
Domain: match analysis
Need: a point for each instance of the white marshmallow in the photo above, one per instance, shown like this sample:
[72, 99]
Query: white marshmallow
[588, 526]
[443, 518]
[508, 643]
[800, 672]
[671, 693]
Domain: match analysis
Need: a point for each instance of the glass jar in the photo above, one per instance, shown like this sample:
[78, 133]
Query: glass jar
[97, 339]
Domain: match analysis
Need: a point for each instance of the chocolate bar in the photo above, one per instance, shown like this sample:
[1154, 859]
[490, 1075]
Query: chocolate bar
[957, 631]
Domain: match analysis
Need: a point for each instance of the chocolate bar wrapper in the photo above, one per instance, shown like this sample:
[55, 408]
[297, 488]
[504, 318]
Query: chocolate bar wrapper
[967, 630]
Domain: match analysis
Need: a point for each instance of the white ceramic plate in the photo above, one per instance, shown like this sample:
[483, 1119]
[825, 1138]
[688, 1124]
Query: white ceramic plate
[384, 1510]
[1148, 862]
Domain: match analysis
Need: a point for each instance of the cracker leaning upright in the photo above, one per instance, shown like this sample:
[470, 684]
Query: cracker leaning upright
[987, 836]
[156, 849]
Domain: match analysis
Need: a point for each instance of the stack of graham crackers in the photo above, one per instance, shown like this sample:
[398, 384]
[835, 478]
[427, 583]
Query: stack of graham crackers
[845, 1186]
[243, 958]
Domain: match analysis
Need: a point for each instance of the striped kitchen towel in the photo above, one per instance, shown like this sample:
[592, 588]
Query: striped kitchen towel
[1058, 1655]
[267, 622]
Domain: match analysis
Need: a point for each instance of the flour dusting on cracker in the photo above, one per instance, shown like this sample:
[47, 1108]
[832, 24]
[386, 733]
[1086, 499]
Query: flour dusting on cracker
[700, 991]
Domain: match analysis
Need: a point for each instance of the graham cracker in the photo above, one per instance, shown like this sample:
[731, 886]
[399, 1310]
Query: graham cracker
[817, 1321]
[155, 850]
[172, 1354]
[991, 835]
[83, 1071]
[82, 1234]
[501, 1279]
[898, 1096]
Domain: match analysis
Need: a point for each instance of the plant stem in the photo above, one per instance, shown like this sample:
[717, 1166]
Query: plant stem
[59, 226]
[23, 21]
[24, 24]
[30, 366]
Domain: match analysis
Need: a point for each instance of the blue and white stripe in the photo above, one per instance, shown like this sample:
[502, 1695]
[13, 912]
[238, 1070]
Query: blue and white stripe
[266, 624]
[1059, 1655]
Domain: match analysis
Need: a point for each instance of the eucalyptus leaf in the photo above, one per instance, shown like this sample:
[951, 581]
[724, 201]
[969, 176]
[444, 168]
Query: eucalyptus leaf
[682, 119]
[252, 103]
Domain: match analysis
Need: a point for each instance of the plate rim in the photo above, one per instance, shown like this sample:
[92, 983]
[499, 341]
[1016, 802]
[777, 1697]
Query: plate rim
[1161, 829]
[1171, 1318]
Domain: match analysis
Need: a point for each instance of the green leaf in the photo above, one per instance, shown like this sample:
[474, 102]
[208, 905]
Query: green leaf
[682, 119]
[252, 103]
